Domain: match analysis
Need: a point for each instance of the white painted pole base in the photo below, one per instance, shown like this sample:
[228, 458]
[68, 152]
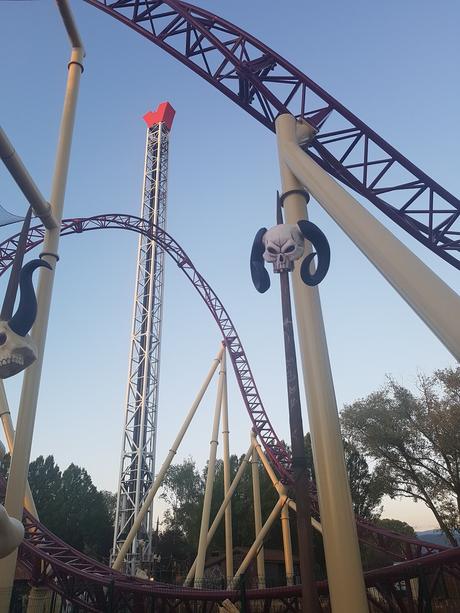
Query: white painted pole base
[257, 519]
[287, 545]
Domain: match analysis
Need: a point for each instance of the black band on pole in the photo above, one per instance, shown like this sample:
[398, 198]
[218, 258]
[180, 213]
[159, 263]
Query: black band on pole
[49, 254]
[301, 192]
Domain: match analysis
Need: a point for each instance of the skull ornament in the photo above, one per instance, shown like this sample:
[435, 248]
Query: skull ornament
[16, 352]
[17, 349]
[284, 244]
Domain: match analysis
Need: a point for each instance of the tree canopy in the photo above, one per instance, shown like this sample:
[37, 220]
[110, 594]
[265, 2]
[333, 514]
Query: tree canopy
[70, 505]
[414, 440]
[366, 487]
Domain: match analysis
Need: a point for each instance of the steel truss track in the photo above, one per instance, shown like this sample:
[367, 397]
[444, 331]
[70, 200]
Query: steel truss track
[400, 547]
[264, 84]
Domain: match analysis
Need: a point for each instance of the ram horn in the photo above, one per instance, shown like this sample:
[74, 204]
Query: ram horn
[12, 288]
[25, 315]
[259, 275]
[319, 241]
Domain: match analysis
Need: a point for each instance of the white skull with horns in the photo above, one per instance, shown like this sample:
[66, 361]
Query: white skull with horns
[17, 349]
[284, 244]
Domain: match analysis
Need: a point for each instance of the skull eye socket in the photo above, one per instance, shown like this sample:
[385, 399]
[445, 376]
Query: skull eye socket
[290, 249]
[2, 338]
[272, 251]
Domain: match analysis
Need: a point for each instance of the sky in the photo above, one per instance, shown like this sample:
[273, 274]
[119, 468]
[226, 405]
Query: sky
[393, 64]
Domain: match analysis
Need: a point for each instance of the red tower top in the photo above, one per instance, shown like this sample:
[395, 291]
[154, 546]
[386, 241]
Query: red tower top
[164, 112]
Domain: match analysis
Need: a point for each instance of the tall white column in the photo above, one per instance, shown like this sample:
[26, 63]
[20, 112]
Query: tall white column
[31, 383]
[202, 545]
[287, 545]
[427, 294]
[227, 481]
[343, 561]
[257, 519]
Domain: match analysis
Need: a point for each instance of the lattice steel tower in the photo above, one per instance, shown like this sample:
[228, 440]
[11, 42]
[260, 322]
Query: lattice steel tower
[137, 465]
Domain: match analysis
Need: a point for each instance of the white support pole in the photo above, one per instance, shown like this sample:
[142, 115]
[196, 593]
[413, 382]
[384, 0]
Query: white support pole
[220, 513]
[428, 295]
[343, 560]
[257, 519]
[287, 545]
[26, 184]
[8, 428]
[205, 515]
[226, 455]
[259, 540]
[31, 383]
[315, 524]
[169, 458]
[280, 488]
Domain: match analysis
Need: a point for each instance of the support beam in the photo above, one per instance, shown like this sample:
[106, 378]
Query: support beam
[277, 483]
[8, 429]
[259, 540]
[287, 545]
[202, 544]
[220, 513]
[31, 382]
[26, 184]
[118, 563]
[346, 583]
[426, 293]
[226, 455]
[257, 519]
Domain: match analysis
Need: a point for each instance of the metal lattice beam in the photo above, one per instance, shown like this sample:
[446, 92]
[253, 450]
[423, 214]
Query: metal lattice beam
[264, 84]
[137, 463]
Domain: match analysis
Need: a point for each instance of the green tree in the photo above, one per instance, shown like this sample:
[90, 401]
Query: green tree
[70, 505]
[415, 442]
[110, 501]
[366, 488]
[85, 518]
[183, 491]
[395, 525]
[45, 482]
[5, 465]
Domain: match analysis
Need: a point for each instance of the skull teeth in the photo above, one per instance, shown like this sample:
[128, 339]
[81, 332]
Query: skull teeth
[13, 359]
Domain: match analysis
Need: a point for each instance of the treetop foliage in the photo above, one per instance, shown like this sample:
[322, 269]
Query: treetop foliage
[70, 505]
[414, 440]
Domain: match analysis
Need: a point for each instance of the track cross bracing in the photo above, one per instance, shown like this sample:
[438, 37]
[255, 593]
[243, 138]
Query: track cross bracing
[264, 84]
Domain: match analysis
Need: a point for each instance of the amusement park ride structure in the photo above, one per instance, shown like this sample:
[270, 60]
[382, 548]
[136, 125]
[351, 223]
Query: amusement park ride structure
[319, 141]
[137, 464]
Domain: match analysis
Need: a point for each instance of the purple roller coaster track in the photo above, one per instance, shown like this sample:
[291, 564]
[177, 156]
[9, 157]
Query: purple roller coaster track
[81, 580]
[264, 84]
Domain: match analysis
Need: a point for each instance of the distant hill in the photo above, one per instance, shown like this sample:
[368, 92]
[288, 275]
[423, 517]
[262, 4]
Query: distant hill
[435, 536]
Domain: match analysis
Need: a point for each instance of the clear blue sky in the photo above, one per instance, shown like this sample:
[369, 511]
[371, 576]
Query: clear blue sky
[394, 64]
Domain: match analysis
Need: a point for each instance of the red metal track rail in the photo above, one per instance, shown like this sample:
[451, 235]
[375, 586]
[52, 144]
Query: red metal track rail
[264, 84]
[95, 587]
[400, 547]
